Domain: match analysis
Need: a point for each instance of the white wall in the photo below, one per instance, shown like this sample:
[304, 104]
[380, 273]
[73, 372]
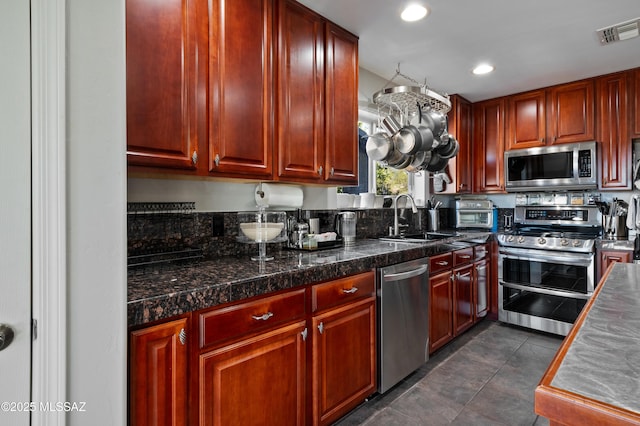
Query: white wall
[216, 196]
[96, 189]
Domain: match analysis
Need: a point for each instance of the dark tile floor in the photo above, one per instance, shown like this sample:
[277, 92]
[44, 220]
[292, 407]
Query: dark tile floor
[487, 376]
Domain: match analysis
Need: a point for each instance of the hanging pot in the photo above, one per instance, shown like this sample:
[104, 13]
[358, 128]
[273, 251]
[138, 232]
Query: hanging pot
[436, 121]
[391, 125]
[437, 163]
[408, 140]
[379, 146]
[450, 150]
[420, 161]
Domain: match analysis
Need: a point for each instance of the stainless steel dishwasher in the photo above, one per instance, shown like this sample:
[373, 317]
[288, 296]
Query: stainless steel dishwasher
[403, 330]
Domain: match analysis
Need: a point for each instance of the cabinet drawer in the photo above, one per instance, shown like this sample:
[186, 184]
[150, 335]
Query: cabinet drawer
[440, 263]
[460, 257]
[341, 291]
[481, 252]
[235, 321]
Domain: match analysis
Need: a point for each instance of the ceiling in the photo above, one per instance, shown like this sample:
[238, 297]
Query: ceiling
[532, 44]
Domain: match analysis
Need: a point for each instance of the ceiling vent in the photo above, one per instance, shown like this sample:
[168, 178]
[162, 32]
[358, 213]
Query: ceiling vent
[618, 32]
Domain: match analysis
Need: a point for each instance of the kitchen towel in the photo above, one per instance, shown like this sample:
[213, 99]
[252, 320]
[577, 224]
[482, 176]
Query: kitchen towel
[633, 215]
[278, 195]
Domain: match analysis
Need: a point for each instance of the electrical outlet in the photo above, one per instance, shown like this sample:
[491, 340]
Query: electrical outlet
[218, 225]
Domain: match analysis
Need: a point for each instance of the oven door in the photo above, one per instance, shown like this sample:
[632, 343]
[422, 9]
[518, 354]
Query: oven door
[543, 290]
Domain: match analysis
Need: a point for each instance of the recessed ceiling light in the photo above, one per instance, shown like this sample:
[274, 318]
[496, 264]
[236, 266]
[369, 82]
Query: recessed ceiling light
[414, 12]
[483, 69]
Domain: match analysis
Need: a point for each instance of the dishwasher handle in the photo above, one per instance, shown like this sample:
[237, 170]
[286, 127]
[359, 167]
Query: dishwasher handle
[407, 274]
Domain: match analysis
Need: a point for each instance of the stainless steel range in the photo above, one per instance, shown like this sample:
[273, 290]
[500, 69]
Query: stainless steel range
[546, 266]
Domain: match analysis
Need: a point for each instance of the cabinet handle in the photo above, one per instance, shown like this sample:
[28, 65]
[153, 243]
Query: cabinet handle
[442, 263]
[194, 157]
[217, 160]
[182, 336]
[320, 170]
[332, 171]
[304, 334]
[350, 291]
[465, 256]
[262, 317]
[321, 327]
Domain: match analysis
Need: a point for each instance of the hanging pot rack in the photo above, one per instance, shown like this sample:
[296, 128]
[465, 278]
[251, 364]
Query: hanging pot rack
[404, 100]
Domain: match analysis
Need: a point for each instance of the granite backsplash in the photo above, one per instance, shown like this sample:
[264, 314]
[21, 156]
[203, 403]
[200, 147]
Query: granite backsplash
[215, 233]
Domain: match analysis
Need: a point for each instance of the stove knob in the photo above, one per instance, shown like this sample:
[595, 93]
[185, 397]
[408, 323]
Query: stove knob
[521, 239]
[510, 238]
[564, 242]
[577, 243]
[542, 241]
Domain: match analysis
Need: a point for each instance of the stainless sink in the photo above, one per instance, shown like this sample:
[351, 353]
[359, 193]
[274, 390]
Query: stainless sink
[419, 238]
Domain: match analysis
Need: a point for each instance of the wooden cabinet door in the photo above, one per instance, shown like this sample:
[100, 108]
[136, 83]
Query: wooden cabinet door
[570, 113]
[607, 257]
[166, 83]
[527, 121]
[344, 359]
[481, 288]
[241, 38]
[613, 137]
[459, 167]
[488, 146]
[256, 381]
[440, 310]
[463, 299]
[158, 374]
[300, 137]
[635, 103]
[341, 150]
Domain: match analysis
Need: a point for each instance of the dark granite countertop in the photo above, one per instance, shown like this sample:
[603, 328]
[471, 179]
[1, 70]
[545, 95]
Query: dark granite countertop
[177, 289]
[601, 362]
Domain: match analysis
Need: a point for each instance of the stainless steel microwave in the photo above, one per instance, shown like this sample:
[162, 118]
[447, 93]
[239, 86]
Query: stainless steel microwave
[558, 167]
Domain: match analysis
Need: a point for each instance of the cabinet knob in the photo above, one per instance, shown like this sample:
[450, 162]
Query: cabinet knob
[320, 170]
[217, 160]
[321, 327]
[194, 157]
[182, 336]
[331, 172]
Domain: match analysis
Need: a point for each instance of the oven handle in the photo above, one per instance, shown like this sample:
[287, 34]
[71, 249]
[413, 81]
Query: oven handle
[581, 259]
[569, 294]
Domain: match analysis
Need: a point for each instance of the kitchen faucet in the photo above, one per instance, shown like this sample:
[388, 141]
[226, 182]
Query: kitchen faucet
[414, 209]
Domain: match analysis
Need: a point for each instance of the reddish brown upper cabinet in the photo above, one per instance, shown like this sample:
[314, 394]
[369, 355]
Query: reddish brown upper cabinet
[166, 85]
[317, 98]
[300, 137]
[158, 374]
[488, 146]
[341, 108]
[527, 121]
[635, 103]
[613, 136]
[571, 112]
[555, 115]
[241, 34]
[459, 167]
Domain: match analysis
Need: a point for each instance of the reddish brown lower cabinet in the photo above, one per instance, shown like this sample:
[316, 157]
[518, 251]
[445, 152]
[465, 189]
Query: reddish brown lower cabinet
[463, 297]
[607, 257]
[440, 311]
[255, 381]
[344, 346]
[158, 374]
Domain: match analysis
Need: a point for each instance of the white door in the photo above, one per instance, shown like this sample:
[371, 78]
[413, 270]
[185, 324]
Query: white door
[15, 211]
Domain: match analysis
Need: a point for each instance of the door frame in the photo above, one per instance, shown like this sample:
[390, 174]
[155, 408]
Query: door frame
[49, 215]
